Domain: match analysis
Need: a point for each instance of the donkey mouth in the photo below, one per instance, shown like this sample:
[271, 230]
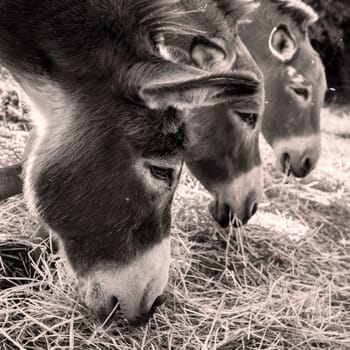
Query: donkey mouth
[286, 164]
[295, 167]
[223, 215]
[107, 313]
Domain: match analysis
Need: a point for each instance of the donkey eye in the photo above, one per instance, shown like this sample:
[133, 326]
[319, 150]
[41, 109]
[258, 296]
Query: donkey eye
[163, 174]
[282, 43]
[249, 118]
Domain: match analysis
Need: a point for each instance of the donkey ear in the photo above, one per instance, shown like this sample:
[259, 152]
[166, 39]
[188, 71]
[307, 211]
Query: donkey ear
[169, 84]
[282, 43]
[213, 54]
[200, 92]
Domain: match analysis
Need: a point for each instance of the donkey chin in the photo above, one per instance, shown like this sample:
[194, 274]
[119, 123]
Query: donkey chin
[136, 289]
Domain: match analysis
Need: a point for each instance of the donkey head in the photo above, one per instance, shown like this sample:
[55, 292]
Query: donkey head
[103, 177]
[108, 190]
[223, 146]
[295, 82]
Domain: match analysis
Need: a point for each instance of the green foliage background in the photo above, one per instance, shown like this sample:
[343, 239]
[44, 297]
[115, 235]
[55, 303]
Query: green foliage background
[331, 38]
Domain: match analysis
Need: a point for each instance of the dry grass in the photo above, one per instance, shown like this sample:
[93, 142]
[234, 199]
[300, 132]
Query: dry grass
[282, 282]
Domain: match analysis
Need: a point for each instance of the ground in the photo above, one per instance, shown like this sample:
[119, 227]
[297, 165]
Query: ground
[281, 282]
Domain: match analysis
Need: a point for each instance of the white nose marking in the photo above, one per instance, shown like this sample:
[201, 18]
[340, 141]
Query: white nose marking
[291, 71]
[299, 79]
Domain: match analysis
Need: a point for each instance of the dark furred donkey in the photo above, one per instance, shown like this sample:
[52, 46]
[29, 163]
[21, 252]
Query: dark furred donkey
[107, 146]
[223, 140]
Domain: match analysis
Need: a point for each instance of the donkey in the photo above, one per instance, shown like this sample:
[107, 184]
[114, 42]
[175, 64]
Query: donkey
[295, 81]
[295, 86]
[107, 146]
[232, 170]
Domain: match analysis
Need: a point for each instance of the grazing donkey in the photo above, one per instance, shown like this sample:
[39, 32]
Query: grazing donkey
[106, 150]
[295, 81]
[295, 86]
[222, 148]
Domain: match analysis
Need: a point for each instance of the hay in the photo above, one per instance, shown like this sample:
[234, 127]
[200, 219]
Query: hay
[282, 282]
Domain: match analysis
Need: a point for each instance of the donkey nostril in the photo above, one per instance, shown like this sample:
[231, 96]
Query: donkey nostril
[160, 300]
[250, 211]
[254, 209]
[106, 313]
[307, 165]
[221, 213]
[285, 162]
[225, 216]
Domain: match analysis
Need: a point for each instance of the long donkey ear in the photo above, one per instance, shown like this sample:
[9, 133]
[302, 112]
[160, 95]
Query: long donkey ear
[216, 55]
[164, 84]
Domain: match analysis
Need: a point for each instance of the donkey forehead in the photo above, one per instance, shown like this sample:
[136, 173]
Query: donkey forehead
[218, 132]
[214, 19]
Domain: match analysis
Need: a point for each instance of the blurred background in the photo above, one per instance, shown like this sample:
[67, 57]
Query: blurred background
[330, 37]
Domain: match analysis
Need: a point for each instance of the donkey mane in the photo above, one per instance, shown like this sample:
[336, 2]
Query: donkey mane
[214, 19]
[238, 9]
[302, 14]
[215, 16]
[158, 17]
